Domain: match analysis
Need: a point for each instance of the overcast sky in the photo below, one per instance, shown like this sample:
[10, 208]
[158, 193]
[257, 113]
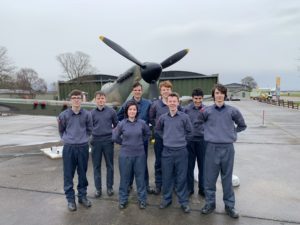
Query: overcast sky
[234, 38]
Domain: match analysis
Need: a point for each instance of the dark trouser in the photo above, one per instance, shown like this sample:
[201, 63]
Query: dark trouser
[146, 172]
[75, 157]
[219, 158]
[127, 166]
[158, 148]
[105, 148]
[174, 170]
[196, 150]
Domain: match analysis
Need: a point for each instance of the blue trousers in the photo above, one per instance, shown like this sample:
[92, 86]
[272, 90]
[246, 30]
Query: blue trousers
[219, 158]
[158, 148]
[146, 171]
[127, 166]
[75, 157]
[174, 170]
[196, 150]
[105, 148]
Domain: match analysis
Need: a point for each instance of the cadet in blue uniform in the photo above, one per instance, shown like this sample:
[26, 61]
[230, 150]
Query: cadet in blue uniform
[143, 114]
[196, 146]
[75, 127]
[175, 128]
[220, 132]
[104, 120]
[131, 133]
[158, 108]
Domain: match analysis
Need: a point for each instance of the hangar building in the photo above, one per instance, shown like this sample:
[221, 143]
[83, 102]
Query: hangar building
[183, 83]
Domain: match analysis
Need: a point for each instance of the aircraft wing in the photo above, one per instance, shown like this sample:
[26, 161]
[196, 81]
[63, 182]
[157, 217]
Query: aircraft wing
[38, 107]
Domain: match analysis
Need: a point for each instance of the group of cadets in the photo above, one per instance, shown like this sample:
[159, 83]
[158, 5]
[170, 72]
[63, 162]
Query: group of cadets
[182, 136]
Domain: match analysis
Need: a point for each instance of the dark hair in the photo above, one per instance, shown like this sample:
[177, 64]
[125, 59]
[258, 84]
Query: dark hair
[101, 93]
[130, 103]
[137, 84]
[197, 92]
[75, 93]
[174, 94]
[221, 88]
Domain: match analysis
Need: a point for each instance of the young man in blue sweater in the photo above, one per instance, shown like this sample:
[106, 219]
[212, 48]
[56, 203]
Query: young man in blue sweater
[104, 120]
[75, 127]
[196, 146]
[175, 129]
[158, 108]
[221, 124]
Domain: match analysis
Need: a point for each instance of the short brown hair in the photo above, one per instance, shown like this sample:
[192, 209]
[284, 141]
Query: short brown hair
[75, 92]
[174, 94]
[101, 93]
[137, 84]
[166, 84]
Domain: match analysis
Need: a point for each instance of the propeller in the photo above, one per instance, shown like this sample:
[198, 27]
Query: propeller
[150, 71]
[120, 50]
[174, 58]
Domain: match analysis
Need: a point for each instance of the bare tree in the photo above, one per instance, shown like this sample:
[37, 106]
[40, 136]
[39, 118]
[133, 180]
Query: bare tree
[6, 69]
[75, 65]
[249, 81]
[28, 79]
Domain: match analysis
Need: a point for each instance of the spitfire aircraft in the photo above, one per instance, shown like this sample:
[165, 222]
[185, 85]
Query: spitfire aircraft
[117, 92]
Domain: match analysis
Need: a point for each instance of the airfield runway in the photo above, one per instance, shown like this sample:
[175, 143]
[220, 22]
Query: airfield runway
[267, 162]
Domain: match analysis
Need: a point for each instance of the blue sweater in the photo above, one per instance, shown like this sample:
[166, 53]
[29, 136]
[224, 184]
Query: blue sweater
[157, 109]
[131, 136]
[219, 123]
[75, 128]
[176, 130]
[103, 122]
[143, 109]
[194, 112]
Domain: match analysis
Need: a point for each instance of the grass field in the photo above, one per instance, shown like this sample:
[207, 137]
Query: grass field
[290, 93]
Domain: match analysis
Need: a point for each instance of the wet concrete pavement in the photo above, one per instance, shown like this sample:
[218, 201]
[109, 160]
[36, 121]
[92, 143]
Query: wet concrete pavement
[267, 163]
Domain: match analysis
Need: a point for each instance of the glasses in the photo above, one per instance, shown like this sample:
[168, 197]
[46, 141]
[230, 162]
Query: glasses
[76, 98]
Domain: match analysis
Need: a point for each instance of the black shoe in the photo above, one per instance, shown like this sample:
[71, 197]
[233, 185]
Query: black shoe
[110, 192]
[72, 206]
[164, 205]
[201, 193]
[186, 208]
[157, 190]
[98, 193]
[207, 209]
[142, 205]
[232, 212]
[85, 202]
[150, 191]
[123, 205]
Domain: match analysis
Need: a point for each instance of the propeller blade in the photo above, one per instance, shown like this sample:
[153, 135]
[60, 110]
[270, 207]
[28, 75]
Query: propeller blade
[174, 58]
[153, 91]
[120, 50]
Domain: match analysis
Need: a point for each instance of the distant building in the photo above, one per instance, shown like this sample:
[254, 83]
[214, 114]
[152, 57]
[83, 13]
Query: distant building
[89, 84]
[183, 83]
[236, 91]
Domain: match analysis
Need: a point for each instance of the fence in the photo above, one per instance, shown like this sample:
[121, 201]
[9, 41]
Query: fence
[289, 104]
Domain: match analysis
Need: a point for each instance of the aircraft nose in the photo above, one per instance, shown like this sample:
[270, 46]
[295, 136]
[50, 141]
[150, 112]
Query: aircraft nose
[151, 72]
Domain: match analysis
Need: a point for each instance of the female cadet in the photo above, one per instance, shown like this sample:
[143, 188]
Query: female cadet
[131, 133]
